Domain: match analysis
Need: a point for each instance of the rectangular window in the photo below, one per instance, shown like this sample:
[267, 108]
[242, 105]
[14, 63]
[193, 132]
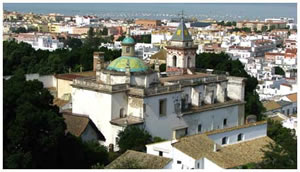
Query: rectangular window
[198, 165]
[199, 128]
[162, 107]
[178, 162]
[117, 140]
[225, 122]
[160, 153]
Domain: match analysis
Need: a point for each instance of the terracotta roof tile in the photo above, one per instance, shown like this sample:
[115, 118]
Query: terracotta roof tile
[160, 55]
[199, 146]
[292, 97]
[76, 124]
[271, 105]
[145, 160]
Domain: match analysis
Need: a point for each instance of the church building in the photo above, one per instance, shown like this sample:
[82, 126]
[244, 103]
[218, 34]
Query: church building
[128, 92]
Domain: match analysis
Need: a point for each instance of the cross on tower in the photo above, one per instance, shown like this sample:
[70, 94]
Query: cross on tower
[181, 14]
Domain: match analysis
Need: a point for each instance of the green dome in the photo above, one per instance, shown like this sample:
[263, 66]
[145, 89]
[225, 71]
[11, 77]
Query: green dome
[128, 40]
[135, 64]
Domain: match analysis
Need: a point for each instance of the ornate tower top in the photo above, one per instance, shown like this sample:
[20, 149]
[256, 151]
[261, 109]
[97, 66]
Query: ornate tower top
[182, 34]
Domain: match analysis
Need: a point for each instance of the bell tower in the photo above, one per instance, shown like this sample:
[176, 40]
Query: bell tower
[128, 44]
[181, 52]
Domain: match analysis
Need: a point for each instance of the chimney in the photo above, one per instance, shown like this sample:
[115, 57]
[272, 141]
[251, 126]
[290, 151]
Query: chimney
[215, 147]
[98, 61]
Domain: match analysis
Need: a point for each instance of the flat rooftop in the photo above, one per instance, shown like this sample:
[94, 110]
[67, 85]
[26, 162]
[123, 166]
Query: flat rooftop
[184, 77]
[128, 120]
[206, 107]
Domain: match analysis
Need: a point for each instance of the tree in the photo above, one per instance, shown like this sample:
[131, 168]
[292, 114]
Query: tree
[162, 67]
[34, 130]
[264, 28]
[23, 56]
[20, 30]
[246, 29]
[283, 153]
[279, 71]
[32, 125]
[133, 138]
[73, 43]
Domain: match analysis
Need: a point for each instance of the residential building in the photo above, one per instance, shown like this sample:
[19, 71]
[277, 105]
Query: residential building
[223, 148]
[148, 23]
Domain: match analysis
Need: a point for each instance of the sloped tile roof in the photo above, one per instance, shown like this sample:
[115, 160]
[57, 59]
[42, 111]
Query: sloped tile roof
[292, 97]
[160, 55]
[142, 159]
[200, 146]
[76, 124]
[271, 105]
[182, 33]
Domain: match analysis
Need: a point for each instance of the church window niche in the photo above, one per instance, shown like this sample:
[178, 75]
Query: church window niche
[189, 62]
[174, 61]
[225, 122]
[122, 115]
[240, 137]
[127, 49]
[162, 107]
[199, 128]
[224, 140]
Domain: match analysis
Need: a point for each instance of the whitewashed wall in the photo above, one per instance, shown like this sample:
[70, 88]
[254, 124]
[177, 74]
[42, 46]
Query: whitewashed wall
[164, 126]
[210, 165]
[249, 133]
[119, 100]
[98, 106]
[47, 80]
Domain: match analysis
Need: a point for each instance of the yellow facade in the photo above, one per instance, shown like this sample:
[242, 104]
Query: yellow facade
[63, 87]
[54, 28]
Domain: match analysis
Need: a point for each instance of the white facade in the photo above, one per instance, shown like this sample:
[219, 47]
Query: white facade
[184, 161]
[168, 107]
[45, 43]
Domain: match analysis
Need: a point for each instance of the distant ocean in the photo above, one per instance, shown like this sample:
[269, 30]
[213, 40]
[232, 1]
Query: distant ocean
[218, 11]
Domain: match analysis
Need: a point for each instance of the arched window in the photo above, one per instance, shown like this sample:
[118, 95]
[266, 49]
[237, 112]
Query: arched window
[240, 137]
[224, 140]
[189, 62]
[122, 113]
[174, 61]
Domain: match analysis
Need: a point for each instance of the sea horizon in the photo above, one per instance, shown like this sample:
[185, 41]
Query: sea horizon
[217, 11]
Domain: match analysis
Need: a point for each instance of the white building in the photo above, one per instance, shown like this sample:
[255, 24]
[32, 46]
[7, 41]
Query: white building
[127, 92]
[45, 43]
[214, 150]
[85, 20]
